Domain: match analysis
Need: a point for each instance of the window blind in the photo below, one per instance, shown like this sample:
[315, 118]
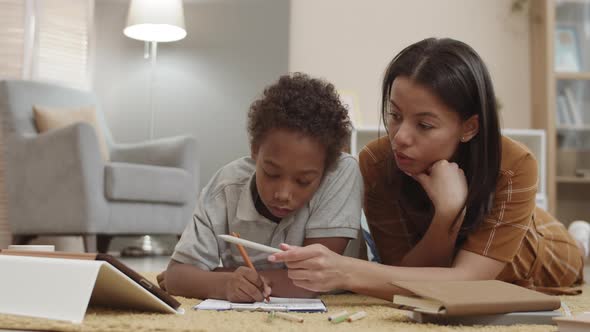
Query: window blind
[12, 38]
[46, 40]
[61, 45]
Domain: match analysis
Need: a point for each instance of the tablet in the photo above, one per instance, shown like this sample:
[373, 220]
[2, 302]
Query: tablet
[136, 277]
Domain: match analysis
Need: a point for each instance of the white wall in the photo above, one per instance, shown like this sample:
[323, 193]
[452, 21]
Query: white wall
[349, 42]
[205, 82]
[234, 48]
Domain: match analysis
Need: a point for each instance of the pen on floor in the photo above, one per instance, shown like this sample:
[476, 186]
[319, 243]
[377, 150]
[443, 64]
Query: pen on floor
[339, 317]
[286, 316]
[246, 258]
[357, 316]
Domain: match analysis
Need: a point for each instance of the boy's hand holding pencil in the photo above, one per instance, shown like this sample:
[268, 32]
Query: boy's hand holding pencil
[246, 285]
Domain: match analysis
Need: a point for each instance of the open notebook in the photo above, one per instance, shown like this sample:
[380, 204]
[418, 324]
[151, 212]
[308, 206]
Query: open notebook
[275, 304]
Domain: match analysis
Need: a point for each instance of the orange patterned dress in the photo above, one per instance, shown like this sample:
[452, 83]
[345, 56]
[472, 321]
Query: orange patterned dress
[538, 251]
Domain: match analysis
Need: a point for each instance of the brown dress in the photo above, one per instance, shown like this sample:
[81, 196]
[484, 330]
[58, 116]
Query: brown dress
[538, 250]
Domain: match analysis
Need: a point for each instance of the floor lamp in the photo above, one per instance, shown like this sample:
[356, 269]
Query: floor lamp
[153, 21]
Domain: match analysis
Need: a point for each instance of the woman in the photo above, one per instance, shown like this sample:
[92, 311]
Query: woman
[446, 196]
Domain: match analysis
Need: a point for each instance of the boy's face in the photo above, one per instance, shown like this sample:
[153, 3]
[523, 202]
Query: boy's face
[289, 170]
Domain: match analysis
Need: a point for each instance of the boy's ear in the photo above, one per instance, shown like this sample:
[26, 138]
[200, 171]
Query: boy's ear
[254, 151]
[470, 128]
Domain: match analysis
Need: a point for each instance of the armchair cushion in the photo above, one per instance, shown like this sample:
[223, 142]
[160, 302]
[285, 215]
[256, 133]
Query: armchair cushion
[48, 118]
[137, 182]
[178, 151]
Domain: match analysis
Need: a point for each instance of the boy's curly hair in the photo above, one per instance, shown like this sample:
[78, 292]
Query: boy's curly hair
[307, 105]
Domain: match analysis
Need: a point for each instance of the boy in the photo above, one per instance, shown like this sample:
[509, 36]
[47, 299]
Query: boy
[297, 187]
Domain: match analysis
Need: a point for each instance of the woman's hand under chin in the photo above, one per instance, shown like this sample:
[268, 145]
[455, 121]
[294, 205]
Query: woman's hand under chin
[446, 186]
[314, 267]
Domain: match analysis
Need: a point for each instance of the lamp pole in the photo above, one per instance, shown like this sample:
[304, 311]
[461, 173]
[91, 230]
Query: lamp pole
[153, 60]
[153, 21]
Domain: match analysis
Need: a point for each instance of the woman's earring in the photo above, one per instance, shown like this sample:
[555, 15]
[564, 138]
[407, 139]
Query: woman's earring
[462, 138]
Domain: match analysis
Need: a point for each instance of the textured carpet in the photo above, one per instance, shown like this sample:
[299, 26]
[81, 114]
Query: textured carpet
[381, 317]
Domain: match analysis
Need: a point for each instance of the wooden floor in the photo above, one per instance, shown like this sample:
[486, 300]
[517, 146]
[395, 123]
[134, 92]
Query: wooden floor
[146, 264]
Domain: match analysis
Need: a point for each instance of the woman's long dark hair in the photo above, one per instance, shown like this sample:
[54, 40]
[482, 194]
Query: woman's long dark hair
[456, 74]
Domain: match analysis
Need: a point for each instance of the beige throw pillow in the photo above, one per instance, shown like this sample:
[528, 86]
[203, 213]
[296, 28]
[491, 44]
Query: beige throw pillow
[47, 118]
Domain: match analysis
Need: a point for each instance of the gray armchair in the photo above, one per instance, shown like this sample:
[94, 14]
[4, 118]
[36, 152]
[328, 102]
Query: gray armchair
[58, 183]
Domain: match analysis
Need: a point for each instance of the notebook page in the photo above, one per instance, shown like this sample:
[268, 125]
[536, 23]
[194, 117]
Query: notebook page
[212, 304]
[276, 304]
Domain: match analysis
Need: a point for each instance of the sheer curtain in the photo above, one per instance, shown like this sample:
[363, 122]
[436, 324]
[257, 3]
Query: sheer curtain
[44, 40]
[61, 51]
[12, 38]
[47, 40]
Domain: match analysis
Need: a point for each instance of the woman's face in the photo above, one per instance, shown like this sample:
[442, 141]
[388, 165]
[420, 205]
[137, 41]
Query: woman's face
[422, 129]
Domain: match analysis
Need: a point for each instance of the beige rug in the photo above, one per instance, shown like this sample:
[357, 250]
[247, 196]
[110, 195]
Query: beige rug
[381, 317]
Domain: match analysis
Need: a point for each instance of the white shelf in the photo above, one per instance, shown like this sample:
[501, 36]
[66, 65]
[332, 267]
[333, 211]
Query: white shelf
[370, 129]
[573, 128]
[572, 76]
[362, 134]
[572, 179]
[565, 2]
[541, 200]
[536, 141]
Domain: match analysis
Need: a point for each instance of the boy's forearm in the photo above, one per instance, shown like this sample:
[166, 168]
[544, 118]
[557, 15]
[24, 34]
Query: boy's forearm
[190, 281]
[282, 286]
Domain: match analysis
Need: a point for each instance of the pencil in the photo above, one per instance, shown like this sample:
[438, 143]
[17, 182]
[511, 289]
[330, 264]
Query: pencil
[287, 316]
[246, 258]
[357, 316]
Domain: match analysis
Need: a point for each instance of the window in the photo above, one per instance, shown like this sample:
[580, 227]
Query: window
[12, 38]
[46, 40]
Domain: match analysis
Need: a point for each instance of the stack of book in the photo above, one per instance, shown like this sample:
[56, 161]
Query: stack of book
[481, 302]
[577, 323]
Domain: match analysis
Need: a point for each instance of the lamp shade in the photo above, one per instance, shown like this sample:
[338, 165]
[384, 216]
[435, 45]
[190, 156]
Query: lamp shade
[155, 20]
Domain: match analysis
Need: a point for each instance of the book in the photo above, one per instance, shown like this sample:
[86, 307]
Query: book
[577, 323]
[573, 108]
[465, 298]
[523, 317]
[275, 304]
[563, 117]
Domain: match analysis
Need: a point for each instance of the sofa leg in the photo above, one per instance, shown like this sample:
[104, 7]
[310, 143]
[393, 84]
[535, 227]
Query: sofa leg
[22, 239]
[98, 243]
[102, 243]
